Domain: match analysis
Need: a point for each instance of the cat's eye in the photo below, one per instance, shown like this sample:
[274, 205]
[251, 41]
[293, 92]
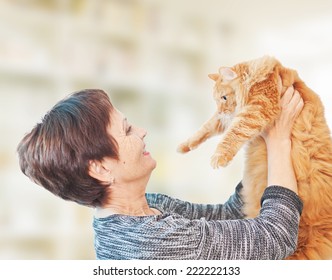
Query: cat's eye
[224, 97]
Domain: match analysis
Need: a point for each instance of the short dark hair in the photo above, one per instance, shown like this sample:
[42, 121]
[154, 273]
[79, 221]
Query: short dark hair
[57, 151]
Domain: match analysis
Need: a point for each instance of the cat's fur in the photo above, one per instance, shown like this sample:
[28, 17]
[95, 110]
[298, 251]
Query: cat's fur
[247, 97]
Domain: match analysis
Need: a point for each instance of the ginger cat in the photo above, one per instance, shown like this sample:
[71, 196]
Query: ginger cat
[247, 97]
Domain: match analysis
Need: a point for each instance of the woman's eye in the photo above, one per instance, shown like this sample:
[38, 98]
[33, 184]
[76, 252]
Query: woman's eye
[129, 129]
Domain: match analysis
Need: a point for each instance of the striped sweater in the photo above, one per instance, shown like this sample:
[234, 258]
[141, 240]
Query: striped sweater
[203, 231]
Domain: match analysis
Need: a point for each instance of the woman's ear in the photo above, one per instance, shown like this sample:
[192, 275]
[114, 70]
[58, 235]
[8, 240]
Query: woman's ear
[98, 171]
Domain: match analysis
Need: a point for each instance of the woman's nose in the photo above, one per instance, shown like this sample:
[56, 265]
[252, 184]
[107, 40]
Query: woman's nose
[141, 132]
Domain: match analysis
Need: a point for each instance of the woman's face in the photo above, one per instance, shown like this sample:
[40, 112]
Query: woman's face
[135, 162]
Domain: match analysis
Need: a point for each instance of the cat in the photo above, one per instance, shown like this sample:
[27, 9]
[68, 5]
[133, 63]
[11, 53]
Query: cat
[247, 97]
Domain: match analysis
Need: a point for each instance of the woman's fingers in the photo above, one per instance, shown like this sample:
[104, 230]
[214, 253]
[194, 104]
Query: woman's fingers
[286, 98]
[295, 103]
[299, 106]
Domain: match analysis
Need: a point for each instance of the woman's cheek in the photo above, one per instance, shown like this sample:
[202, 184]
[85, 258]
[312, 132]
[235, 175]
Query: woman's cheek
[129, 152]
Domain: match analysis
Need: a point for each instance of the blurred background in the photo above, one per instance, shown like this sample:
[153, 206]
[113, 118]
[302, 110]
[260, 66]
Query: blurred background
[152, 57]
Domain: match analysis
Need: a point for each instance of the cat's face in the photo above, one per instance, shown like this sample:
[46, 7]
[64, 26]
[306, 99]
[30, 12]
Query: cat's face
[224, 95]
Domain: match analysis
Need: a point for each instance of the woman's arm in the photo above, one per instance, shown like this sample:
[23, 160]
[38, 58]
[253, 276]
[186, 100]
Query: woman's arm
[231, 209]
[271, 235]
[278, 142]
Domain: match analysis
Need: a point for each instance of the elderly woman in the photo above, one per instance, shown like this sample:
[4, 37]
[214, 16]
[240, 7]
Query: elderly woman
[86, 151]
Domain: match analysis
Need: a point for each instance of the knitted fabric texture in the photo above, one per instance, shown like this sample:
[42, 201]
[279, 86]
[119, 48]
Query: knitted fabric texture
[189, 231]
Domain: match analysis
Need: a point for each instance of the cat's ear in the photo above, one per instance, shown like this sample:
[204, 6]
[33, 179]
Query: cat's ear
[227, 73]
[213, 77]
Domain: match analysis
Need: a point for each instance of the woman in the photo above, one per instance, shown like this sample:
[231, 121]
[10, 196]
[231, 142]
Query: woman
[86, 151]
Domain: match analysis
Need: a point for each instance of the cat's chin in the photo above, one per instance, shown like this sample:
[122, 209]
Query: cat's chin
[226, 119]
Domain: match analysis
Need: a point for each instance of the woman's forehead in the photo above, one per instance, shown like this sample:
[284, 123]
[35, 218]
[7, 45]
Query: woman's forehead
[116, 115]
[117, 120]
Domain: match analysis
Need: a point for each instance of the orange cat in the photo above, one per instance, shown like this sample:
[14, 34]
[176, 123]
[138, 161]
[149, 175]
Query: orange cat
[247, 97]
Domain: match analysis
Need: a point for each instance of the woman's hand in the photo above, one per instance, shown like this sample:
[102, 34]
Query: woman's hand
[291, 105]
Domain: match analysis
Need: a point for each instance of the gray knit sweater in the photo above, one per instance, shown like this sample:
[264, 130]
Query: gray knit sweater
[195, 231]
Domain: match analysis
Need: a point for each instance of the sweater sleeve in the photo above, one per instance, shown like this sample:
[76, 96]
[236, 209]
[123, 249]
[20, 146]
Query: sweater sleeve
[271, 235]
[231, 209]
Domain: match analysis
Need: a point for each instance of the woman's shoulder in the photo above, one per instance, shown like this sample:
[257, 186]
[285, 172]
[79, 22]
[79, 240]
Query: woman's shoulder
[163, 202]
[155, 199]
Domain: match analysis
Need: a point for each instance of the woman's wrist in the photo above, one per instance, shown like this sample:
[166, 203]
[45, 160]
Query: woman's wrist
[278, 145]
[280, 168]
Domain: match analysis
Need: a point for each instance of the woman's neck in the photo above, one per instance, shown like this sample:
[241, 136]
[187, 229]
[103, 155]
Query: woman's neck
[126, 201]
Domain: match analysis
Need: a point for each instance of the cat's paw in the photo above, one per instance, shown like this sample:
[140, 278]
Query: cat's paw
[188, 146]
[219, 160]
[183, 148]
